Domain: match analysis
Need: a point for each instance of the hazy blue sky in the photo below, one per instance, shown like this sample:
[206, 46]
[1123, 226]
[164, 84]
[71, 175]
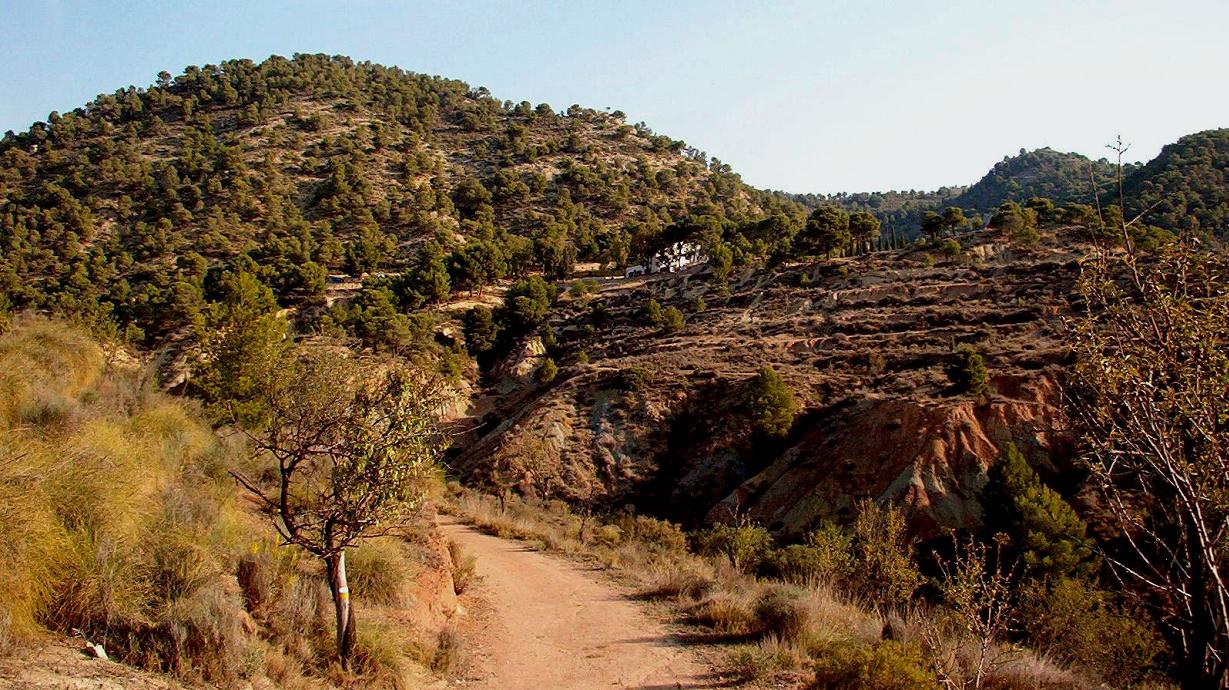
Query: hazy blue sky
[802, 96]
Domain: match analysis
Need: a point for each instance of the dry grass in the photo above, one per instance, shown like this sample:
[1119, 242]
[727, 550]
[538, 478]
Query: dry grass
[377, 571]
[121, 522]
[463, 567]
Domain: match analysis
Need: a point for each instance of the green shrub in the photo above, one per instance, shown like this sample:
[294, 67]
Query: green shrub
[883, 565]
[652, 313]
[548, 370]
[951, 248]
[884, 665]
[770, 403]
[1071, 621]
[968, 373]
[825, 557]
[659, 535]
[745, 546]
[634, 379]
[672, 320]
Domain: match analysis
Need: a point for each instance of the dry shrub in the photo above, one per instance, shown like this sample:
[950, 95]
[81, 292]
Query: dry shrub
[463, 567]
[725, 612]
[377, 571]
[43, 366]
[264, 573]
[380, 655]
[676, 580]
[766, 659]
[33, 547]
[449, 657]
[121, 521]
[1025, 670]
[784, 611]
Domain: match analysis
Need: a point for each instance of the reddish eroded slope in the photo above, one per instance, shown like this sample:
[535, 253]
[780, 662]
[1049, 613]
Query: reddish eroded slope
[866, 343]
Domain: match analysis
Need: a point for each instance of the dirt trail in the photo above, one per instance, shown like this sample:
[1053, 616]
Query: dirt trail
[544, 622]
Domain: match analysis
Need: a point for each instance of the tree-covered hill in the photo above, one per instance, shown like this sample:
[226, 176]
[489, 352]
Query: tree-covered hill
[126, 210]
[1186, 187]
[1060, 177]
[900, 212]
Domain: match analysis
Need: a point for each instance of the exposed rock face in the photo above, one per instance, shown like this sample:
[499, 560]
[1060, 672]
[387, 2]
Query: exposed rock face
[930, 456]
[866, 344]
[431, 599]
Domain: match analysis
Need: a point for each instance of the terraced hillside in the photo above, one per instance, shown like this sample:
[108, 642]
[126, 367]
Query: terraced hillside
[638, 415]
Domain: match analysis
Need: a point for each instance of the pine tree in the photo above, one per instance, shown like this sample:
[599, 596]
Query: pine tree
[771, 403]
[1045, 532]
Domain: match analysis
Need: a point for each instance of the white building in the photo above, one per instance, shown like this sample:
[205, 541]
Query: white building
[674, 258]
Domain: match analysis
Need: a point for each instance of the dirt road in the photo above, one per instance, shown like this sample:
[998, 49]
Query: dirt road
[545, 622]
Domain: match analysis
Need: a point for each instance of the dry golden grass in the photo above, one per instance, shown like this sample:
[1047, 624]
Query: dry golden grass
[122, 522]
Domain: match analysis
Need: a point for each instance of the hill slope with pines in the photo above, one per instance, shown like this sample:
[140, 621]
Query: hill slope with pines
[293, 169]
[1060, 177]
[1186, 187]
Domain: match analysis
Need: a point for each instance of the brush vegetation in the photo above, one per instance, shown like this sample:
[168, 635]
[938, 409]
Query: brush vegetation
[851, 612]
[124, 526]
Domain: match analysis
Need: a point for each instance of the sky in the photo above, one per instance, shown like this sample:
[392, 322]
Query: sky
[821, 96]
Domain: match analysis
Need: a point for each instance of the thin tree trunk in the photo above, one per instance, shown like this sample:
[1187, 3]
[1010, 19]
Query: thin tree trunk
[341, 605]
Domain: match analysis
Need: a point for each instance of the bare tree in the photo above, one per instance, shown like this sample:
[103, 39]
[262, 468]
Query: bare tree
[352, 448]
[977, 589]
[1150, 394]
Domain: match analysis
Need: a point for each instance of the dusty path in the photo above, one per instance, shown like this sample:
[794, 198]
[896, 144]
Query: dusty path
[547, 623]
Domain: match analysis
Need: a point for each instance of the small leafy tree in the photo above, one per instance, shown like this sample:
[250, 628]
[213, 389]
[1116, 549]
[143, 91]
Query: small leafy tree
[351, 449]
[771, 403]
[481, 330]
[884, 567]
[954, 219]
[978, 591]
[1148, 394]
[745, 545]
[863, 229]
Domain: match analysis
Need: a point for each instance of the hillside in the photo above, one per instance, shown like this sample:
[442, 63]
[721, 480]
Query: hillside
[656, 418]
[1060, 177]
[119, 211]
[1186, 187]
